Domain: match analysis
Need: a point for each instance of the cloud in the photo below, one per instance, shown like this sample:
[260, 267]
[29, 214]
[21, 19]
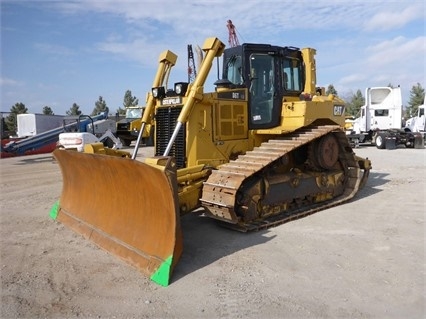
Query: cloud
[115, 36]
[54, 49]
[140, 50]
[183, 15]
[387, 20]
[152, 26]
[10, 82]
[395, 52]
[353, 78]
[396, 61]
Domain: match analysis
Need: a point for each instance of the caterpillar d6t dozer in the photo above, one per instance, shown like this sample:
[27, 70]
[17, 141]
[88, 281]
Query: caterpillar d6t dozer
[267, 146]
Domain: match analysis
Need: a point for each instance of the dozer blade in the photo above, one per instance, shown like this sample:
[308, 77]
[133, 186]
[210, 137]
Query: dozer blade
[126, 207]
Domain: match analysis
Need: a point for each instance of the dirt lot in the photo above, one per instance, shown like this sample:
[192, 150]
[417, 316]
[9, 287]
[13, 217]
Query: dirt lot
[364, 259]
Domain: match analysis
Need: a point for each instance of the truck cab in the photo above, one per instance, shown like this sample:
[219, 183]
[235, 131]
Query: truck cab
[380, 121]
[129, 127]
[417, 123]
[382, 110]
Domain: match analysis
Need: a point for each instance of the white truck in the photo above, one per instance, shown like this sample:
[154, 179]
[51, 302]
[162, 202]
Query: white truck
[417, 123]
[98, 131]
[380, 121]
[77, 140]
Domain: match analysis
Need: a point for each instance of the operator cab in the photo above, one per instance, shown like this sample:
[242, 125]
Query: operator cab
[270, 73]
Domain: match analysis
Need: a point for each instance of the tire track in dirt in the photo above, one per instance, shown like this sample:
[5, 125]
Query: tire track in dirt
[235, 295]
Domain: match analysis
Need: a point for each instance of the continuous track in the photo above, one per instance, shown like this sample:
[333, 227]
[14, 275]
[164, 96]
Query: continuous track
[220, 190]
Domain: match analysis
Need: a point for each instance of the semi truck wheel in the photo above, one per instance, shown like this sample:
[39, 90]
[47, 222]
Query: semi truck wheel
[380, 141]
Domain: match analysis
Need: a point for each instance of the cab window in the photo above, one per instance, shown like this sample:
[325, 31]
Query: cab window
[261, 87]
[292, 75]
[384, 112]
[234, 71]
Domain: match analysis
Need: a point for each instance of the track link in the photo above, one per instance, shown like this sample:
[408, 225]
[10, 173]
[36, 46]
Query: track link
[220, 190]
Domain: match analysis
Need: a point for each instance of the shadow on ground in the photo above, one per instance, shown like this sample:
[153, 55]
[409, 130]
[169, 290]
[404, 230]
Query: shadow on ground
[35, 160]
[205, 242]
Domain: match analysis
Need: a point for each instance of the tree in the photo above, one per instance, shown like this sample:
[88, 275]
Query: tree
[130, 100]
[10, 121]
[121, 111]
[100, 106]
[354, 104]
[74, 110]
[47, 110]
[331, 90]
[417, 97]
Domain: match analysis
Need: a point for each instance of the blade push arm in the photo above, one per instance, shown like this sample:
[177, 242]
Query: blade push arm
[213, 48]
[167, 60]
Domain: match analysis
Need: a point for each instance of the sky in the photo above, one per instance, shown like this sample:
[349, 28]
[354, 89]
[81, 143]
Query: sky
[56, 53]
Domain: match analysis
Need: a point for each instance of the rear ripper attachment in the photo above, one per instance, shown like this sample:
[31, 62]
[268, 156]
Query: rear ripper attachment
[141, 225]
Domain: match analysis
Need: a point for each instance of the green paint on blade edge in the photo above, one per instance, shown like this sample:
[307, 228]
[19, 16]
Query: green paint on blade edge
[54, 210]
[162, 275]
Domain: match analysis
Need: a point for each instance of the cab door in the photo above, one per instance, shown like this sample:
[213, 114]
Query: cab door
[264, 98]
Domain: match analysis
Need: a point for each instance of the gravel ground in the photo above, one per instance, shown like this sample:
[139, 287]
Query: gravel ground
[364, 259]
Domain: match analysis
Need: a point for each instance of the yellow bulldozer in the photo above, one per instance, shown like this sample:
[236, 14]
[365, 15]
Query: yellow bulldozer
[266, 147]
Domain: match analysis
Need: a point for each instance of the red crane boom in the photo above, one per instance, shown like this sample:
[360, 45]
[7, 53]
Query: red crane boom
[233, 39]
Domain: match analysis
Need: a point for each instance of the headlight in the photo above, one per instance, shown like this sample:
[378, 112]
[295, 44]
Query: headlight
[158, 92]
[180, 88]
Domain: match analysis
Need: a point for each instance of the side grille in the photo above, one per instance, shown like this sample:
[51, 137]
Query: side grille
[165, 122]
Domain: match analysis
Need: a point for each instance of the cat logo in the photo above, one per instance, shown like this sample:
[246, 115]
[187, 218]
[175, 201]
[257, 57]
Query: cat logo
[338, 110]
